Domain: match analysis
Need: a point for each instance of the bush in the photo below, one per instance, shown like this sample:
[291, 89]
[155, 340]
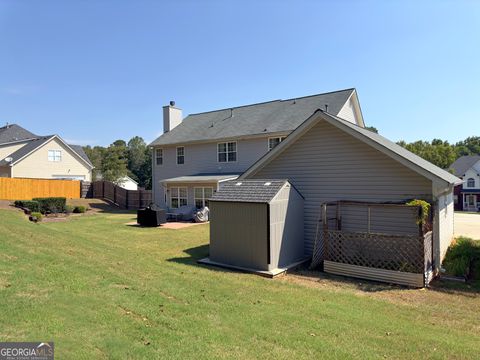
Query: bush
[463, 258]
[31, 205]
[36, 216]
[79, 209]
[52, 204]
[69, 209]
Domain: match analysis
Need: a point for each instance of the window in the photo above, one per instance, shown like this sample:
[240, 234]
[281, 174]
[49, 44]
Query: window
[159, 156]
[178, 197]
[54, 155]
[272, 142]
[471, 182]
[227, 151]
[202, 195]
[180, 155]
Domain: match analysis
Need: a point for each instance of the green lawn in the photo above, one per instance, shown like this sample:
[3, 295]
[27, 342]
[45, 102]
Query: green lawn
[102, 289]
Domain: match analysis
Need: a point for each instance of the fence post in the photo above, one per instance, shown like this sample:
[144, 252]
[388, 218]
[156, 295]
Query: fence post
[126, 199]
[103, 189]
[140, 199]
[114, 194]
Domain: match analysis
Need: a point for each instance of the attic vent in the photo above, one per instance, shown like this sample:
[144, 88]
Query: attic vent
[238, 184]
[267, 183]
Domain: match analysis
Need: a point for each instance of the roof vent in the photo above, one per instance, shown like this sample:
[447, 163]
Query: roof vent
[172, 103]
[267, 184]
[326, 107]
[238, 184]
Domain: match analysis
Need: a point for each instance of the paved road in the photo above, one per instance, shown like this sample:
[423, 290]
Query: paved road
[467, 224]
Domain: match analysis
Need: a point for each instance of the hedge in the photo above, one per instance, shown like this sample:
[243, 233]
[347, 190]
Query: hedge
[33, 206]
[52, 204]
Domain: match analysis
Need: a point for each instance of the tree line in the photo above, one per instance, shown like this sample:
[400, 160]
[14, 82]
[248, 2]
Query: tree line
[120, 159]
[440, 152]
[134, 158]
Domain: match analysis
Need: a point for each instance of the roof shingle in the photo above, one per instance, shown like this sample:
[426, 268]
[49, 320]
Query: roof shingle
[258, 191]
[269, 117]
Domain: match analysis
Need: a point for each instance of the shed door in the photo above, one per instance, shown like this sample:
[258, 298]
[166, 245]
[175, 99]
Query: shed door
[239, 234]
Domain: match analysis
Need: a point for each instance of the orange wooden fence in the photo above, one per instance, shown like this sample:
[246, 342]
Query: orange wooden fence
[26, 189]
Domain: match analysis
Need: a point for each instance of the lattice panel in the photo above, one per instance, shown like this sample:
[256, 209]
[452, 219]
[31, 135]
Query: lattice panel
[391, 252]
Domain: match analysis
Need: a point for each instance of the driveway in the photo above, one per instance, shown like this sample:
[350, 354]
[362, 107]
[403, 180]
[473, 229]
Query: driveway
[467, 224]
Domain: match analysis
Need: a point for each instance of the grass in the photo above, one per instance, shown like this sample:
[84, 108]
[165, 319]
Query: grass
[101, 289]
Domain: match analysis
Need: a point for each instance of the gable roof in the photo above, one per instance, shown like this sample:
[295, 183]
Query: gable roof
[462, 164]
[375, 140]
[25, 150]
[257, 191]
[278, 116]
[37, 143]
[14, 133]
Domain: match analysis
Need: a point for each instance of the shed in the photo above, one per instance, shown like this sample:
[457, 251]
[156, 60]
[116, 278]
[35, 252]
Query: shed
[257, 225]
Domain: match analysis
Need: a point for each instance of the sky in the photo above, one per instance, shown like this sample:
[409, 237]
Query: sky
[94, 71]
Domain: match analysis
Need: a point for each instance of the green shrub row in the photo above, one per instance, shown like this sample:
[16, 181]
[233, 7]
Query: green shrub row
[28, 204]
[51, 204]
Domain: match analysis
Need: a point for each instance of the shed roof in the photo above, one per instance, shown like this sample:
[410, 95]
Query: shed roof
[257, 191]
[278, 116]
[462, 164]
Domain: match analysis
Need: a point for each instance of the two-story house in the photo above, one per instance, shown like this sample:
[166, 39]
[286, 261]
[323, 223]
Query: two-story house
[195, 155]
[467, 194]
[26, 155]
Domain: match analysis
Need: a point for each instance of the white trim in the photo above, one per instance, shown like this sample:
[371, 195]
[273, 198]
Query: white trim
[356, 107]
[156, 157]
[54, 155]
[176, 155]
[169, 190]
[274, 137]
[204, 199]
[226, 152]
[45, 143]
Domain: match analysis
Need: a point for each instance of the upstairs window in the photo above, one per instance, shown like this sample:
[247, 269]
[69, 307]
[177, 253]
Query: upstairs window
[471, 182]
[274, 141]
[54, 155]
[159, 156]
[180, 155]
[227, 151]
[178, 197]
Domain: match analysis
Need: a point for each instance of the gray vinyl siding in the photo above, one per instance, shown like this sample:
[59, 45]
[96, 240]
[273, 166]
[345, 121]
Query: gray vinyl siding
[238, 234]
[286, 228]
[202, 158]
[327, 164]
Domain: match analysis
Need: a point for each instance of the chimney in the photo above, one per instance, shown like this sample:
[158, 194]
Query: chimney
[172, 116]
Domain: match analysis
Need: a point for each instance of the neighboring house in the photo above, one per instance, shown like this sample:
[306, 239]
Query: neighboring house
[128, 183]
[195, 155]
[26, 155]
[125, 182]
[467, 194]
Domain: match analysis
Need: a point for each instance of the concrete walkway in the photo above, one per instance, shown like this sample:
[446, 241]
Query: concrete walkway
[467, 224]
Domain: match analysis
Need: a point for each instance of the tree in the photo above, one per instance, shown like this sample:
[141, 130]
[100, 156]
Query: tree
[372, 128]
[469, 146]
[95, 155]
[136, 154]
[114, 163]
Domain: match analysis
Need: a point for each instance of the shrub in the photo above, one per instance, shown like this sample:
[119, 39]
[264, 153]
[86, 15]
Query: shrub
[462, 257]
[31, 205]
[36, 216]
[52, 204]
[69, 209]
[79, 209]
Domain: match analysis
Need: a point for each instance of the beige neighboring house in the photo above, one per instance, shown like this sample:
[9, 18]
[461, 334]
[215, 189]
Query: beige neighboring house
[26, 155]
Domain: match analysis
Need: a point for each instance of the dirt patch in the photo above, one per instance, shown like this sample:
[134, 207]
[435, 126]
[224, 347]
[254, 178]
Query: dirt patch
[6, 205]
